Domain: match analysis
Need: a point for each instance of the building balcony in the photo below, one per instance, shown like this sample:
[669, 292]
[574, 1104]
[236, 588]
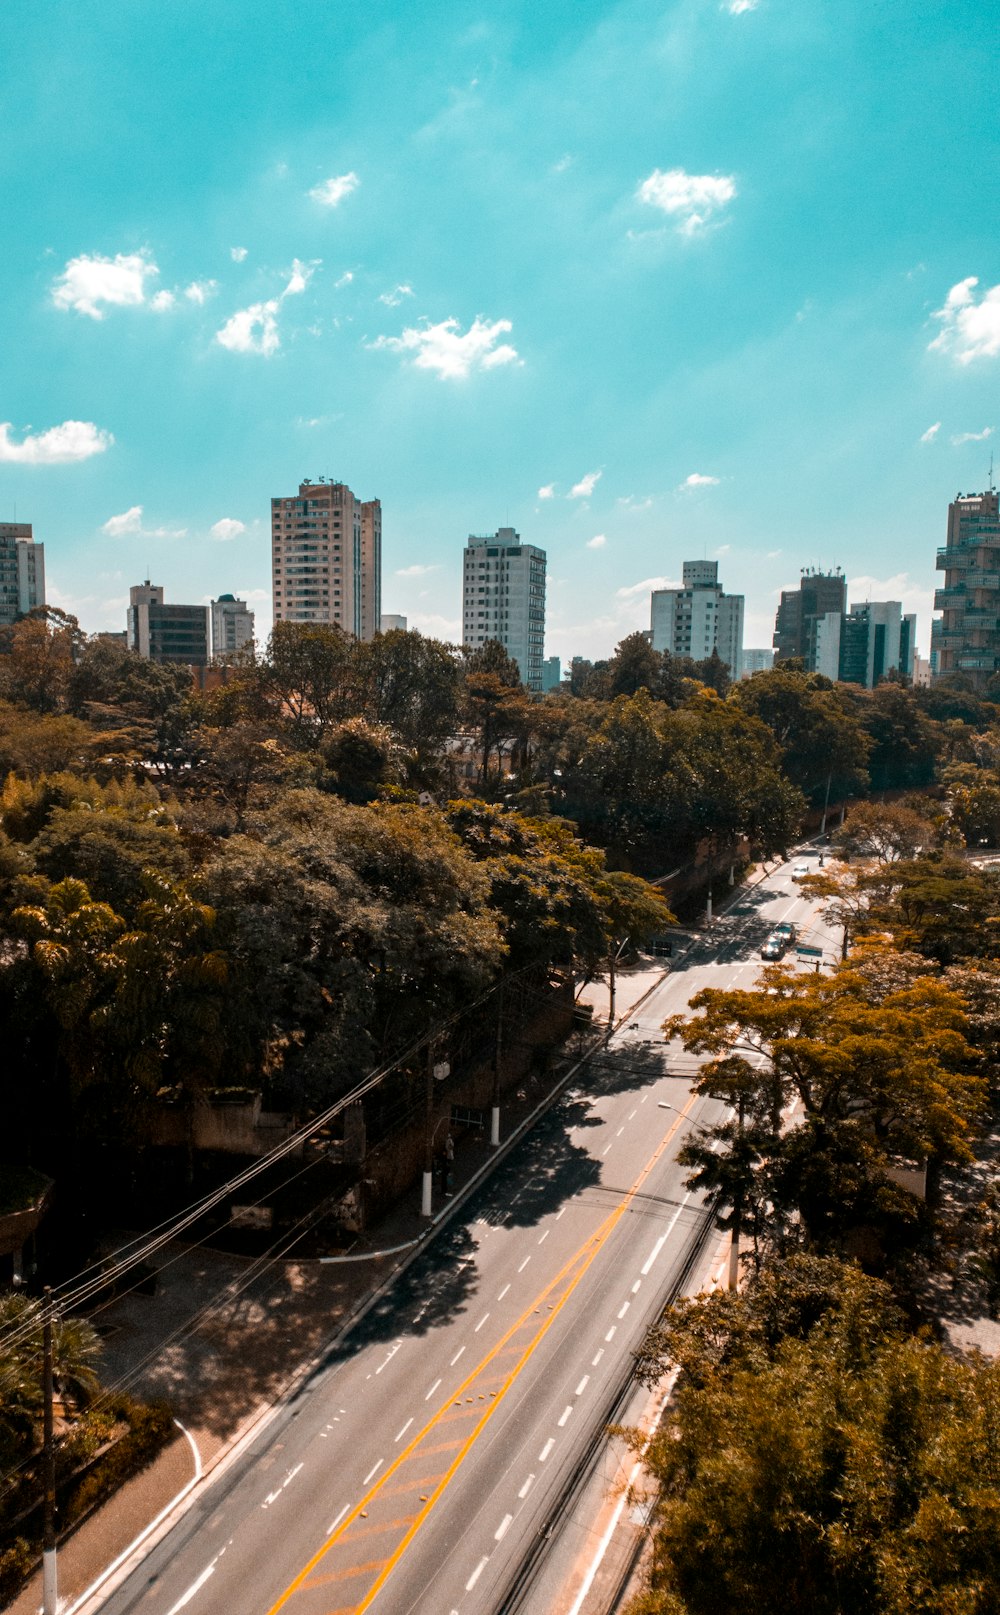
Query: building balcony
[953, 595]
[982, 580]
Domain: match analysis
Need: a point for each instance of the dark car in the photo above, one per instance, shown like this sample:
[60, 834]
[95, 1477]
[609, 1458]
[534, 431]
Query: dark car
[774, 947]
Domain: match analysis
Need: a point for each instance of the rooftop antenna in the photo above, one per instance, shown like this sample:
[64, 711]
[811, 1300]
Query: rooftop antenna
[992, 488]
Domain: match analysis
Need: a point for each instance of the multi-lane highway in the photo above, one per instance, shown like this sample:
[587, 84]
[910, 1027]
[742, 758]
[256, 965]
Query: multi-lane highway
[415, 1470]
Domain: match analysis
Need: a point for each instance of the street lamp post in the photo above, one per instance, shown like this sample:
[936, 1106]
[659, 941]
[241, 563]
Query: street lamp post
[426, 1201]
[497, 1055]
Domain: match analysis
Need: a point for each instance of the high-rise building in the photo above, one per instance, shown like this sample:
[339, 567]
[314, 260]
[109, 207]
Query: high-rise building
[966, 639]
[232, 624]
[699, 617]
[756, 661]
[22, 571]
[504, 599]
[391, 621]
[863, 645]
[797, 627]
[551, 673]
[326, 558]
[167, 633]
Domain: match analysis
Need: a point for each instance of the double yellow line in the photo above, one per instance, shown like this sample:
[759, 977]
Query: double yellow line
[561, 1286]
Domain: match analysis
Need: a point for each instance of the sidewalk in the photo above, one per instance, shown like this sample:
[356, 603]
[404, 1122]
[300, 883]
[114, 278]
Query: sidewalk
[234, 1348]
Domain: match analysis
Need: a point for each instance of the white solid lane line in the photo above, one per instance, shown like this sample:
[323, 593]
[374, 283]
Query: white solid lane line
[373, 1472]
[430, 1393]
[503, 1528]
[564, 1415]
[526, 1488]
[195, 1587]
[481, 1566]
[406, 1426]
[654, 1253]
[546, 1450]
[334, 1523]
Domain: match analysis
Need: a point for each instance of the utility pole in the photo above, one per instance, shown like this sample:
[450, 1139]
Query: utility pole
[426, 1199]
[826, 803]
[50, 1581]
[497, 1056]
[611, 983]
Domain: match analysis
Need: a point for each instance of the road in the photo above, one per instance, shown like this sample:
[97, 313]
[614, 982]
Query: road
[416, 1468]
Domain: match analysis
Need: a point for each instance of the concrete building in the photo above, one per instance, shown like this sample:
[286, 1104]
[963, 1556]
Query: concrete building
[699, 617]
[326, 558]
[921, 672]
[966, 638]
[22, 571]
[796, 630]
[756, 661]
[391, 622]
[551, 673]
[504, 598]
[865, 644]
[167, 633]
[232, 624]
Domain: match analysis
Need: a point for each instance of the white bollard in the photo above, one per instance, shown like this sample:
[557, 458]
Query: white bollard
[425, 1199]
[495, 1126]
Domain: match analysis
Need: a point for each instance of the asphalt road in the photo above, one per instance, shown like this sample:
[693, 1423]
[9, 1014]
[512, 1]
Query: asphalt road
[418, 1465]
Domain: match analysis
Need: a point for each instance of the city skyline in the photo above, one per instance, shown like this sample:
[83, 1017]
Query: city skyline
[743, 323]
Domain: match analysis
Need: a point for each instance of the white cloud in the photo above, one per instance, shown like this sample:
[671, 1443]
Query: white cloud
[130, 521]
[931, 433]
[89, 281]
[452, 353]
[586, 485]
[969, 329]
[415, 571]
[237, 254]
[395, 297]
[561, 166]
[548, 492]
[252, 330]
[255, 329]
[73, 440]
[332, 191]
[162, 302]
[597, 542]
[200, 290]
[345, 280]
[689, 198]
[631, 502]
[227, 528]
[972, 437]
[737, 8]
[696, 480]
[646, 586]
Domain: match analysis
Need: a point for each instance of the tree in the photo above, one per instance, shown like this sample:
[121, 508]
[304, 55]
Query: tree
[411, 684]
[885, 832]
[875, 1075]
[363, 758]
[817, 1461]
[307, 672]
[822, 744]
[635, 666]
[36, 658]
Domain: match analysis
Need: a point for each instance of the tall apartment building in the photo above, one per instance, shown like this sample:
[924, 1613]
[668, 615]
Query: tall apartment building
[231, 623]
[504, 598]
[326, 558]
[167, 633]
[756, 661]
[966, 639]
[22, 571]
[863, 645]
[391, 622]
[802, 610]
[699, 617]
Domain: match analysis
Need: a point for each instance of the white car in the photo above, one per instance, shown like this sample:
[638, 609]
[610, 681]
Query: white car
[801, 869]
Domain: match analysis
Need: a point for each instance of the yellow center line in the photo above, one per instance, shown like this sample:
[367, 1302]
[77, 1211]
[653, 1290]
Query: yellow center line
[582, 1259]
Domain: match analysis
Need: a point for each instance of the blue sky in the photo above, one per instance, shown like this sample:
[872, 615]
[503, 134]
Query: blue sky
[646, 281]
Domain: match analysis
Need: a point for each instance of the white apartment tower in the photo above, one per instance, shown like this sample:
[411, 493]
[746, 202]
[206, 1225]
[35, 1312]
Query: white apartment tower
[326, 558]
[504, 599]
[22, 572]
[699, 618]
[232, 624]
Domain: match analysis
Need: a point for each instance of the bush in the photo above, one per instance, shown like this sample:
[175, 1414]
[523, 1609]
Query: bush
[16, 1564]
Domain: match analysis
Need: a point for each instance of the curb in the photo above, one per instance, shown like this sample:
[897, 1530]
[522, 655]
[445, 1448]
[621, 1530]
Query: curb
[233, 1450]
